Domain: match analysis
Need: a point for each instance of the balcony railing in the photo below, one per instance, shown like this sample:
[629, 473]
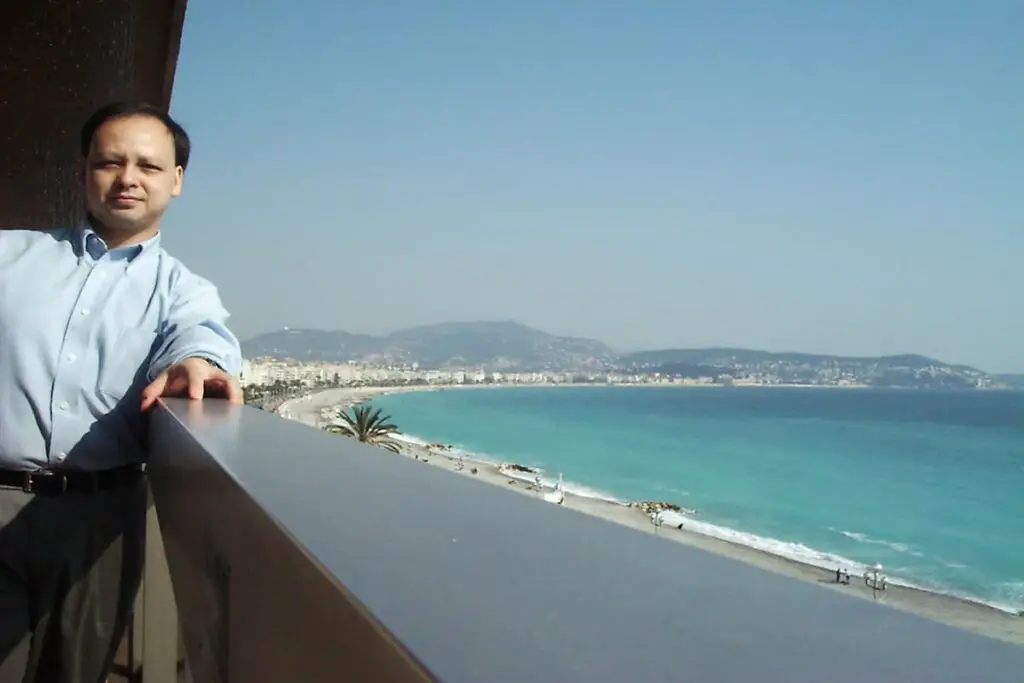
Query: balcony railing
[301, 556]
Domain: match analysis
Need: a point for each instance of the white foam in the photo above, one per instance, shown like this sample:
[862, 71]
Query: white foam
[1010, 594]
[547, 481]
[573, 488]
[891, 545]
[586, 492]
[410, 439]
[787, 549]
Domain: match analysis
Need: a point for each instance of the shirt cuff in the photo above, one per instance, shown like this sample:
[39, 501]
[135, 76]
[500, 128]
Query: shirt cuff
[200, 343]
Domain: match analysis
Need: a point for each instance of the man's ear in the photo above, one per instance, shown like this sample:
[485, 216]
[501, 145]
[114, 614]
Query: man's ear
[179, 178]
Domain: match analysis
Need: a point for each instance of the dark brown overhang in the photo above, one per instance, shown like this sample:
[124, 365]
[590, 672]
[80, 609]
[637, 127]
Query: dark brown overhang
[60, 60]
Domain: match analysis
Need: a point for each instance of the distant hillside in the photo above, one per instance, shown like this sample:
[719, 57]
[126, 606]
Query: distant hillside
[310, 345]
[495, 345]
[510, 346]
[908, 370]
[720, 357]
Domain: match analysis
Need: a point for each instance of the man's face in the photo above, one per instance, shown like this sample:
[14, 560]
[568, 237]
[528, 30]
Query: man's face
[131, 175]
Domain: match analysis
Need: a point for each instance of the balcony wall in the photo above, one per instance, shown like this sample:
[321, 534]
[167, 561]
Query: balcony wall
[298, 555]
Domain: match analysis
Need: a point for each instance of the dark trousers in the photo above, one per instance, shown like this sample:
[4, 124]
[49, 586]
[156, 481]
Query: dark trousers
[70, 567]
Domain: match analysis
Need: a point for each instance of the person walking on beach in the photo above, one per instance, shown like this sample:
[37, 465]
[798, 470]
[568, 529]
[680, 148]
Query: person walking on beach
[97, 322]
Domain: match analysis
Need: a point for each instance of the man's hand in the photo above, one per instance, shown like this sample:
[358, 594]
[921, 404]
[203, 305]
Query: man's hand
[194, 378]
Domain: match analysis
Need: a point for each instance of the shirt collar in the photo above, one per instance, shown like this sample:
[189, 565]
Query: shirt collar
[88, 243]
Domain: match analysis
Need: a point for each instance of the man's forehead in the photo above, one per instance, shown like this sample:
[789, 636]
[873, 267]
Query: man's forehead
[134, 132]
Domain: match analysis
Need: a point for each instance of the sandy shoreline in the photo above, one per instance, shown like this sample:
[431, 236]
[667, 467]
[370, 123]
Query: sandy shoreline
[961, 613]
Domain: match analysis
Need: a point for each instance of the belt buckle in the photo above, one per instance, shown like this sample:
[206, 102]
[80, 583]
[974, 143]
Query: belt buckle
[31, 479]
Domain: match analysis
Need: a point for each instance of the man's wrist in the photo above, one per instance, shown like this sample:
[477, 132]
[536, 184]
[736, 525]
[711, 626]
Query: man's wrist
[210, 361]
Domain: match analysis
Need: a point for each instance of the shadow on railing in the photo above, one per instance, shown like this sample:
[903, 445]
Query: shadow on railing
[300, 556]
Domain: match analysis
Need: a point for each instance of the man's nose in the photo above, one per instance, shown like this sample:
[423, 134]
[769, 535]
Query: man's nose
[129, 175]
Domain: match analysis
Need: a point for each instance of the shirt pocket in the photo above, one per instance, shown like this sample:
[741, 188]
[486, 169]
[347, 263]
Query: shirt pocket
[125, 364]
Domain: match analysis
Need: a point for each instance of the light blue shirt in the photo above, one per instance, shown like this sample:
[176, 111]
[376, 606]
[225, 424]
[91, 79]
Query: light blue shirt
[83, 329]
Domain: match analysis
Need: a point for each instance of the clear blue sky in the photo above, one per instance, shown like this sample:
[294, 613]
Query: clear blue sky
[836, 177]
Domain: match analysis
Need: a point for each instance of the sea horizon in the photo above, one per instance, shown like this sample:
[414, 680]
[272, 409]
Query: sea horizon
[847, 481]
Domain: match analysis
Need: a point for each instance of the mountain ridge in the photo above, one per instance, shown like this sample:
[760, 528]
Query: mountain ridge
[496, 344]
[512, 346]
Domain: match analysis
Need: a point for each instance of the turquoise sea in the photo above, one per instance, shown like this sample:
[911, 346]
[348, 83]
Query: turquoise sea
[929, 484]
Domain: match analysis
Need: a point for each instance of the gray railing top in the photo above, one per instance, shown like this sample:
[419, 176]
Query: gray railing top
[481, 584]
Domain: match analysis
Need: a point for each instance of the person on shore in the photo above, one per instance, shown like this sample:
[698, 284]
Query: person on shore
[97, 322]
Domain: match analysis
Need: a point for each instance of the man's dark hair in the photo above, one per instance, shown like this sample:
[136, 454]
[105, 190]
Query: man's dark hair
[119, 110]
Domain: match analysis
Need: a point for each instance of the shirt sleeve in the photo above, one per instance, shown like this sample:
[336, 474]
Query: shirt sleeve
[196, 326]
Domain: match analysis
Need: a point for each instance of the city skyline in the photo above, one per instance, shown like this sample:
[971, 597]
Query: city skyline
[835, 180]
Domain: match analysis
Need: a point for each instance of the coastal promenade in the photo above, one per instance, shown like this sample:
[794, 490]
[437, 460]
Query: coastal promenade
[961, 613]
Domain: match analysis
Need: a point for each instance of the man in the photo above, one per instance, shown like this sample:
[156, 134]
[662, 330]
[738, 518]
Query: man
[97, 322]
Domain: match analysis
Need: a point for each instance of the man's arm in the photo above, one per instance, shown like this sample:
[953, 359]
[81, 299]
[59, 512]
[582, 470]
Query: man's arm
[196, 327]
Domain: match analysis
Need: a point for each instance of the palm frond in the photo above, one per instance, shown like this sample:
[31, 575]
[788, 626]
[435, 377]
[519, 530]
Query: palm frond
[342, 429]
[389, 444]
[368, 425]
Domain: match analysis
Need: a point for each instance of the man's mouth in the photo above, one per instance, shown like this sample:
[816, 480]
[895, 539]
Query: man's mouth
[124, 200]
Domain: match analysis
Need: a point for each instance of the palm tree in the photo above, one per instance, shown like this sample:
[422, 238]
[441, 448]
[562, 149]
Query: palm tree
[368, 426]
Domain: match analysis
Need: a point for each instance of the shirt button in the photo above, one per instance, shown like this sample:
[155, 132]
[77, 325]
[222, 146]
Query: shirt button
[61, 456]
[71, 357]
[64, 405]
[85, 311]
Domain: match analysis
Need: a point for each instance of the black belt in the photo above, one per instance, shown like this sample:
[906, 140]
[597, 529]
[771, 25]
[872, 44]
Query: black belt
[55, 482]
